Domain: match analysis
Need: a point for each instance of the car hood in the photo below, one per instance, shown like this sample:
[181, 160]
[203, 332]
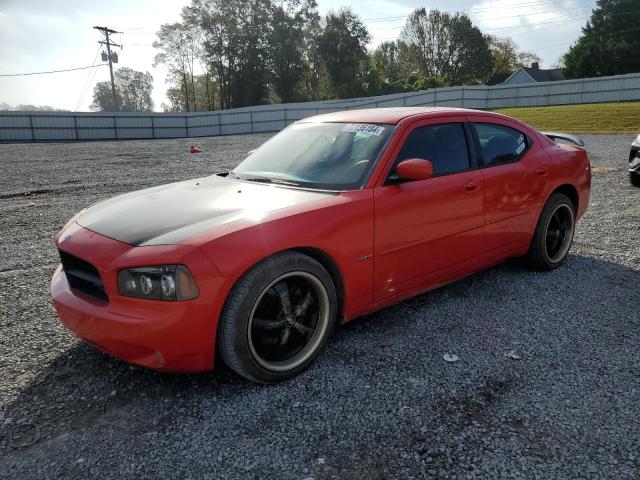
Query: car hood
[173, 213]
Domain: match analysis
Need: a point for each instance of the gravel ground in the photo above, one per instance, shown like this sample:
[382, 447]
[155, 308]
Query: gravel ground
[380, 403]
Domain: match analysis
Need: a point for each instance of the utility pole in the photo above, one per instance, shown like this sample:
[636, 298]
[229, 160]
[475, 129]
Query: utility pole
[107, 31]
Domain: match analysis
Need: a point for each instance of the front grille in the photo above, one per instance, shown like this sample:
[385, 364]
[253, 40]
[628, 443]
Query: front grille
[83, 277]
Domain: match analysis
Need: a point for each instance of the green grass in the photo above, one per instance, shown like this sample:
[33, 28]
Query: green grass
[587, 118]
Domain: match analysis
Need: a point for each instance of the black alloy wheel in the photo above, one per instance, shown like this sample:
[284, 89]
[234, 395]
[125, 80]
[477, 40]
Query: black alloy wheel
[277, 318]
[288, 320]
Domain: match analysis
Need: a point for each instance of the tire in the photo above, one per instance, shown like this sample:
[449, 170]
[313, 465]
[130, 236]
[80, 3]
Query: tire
[258, 348]
[634, 178]
[547, 250]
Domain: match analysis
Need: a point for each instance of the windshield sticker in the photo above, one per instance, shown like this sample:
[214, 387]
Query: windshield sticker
[376, 130]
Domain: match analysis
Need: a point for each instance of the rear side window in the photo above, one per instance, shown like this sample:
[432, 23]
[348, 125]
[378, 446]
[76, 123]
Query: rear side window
[444, 145]
[499, 144]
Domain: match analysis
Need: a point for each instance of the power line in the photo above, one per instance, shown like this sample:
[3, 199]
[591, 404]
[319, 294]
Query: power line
[527, 4]
[85, 87]
[47, 72]
[542, 12]
[521, 29]
[565, 15]
[91, 82]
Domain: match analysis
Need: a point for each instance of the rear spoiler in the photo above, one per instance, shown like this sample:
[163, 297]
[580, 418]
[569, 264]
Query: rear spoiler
[566, 137]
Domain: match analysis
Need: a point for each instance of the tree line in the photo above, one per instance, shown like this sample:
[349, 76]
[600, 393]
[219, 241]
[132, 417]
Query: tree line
[259, 51]
[231, 53]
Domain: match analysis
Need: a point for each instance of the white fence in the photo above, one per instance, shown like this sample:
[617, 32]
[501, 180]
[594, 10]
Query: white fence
[63, 126]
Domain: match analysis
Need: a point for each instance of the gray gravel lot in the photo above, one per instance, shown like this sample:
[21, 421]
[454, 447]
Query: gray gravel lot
[379, 403]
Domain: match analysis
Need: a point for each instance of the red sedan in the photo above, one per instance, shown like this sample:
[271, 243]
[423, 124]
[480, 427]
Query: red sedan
[334, 217]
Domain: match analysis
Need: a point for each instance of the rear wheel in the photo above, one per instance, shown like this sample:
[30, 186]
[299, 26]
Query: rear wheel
[554, 234]
[277, 318]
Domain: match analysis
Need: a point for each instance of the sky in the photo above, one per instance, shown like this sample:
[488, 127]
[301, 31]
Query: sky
[41, 35]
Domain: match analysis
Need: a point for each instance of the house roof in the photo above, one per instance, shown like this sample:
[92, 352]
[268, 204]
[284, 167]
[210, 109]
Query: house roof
[498, 79]
[540, 75]
[535, 74]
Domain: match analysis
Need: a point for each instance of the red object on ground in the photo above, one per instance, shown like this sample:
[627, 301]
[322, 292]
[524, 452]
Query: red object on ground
[419, 235]
[195, 149]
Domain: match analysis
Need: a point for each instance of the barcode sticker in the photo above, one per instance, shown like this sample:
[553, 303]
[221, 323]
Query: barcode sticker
[376, 130]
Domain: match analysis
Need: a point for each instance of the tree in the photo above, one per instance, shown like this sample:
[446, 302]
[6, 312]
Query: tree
[606, 46]
[179, 45]
[236, 47]
[205, 93]
[342, 47]
[287, 56]
[290, 62]
[314, 72]
[103, 98]
[5, 107]
[393, 73]
[135, 89]
[133, 92]
[506, 58]
[438, 44]
[386, 67]
[206, 98]
[251, 76]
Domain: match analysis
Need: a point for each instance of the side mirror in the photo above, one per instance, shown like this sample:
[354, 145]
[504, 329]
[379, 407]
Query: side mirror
[414, 169]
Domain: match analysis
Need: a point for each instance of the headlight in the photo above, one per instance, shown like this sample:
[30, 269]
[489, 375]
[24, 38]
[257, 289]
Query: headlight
[168, 282]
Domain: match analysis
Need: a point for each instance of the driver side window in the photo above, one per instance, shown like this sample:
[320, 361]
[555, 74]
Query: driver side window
[443, 144]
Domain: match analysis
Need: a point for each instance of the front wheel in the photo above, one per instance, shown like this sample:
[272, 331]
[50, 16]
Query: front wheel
[278, 317]
[634, 178]
[554, 232]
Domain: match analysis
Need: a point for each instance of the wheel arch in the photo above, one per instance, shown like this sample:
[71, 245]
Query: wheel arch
[328, 262]
[570, 191]
[320, 256]
[567, 189]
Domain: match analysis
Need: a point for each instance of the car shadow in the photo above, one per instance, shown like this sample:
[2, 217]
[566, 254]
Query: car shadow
[81, 385]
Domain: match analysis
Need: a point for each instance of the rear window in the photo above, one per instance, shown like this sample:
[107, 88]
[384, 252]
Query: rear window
[500, 144]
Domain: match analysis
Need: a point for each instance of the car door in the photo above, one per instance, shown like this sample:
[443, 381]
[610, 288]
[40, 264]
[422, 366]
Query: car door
[425, 230]
[515, 176]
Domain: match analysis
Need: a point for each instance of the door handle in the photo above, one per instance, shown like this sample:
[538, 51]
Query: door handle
[471, 187]
[542, 171]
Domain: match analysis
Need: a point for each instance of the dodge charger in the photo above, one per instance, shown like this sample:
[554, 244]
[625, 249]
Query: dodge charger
[336, 216]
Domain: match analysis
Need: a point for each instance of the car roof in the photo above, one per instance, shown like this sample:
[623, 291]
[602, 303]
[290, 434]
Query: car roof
[392, 115]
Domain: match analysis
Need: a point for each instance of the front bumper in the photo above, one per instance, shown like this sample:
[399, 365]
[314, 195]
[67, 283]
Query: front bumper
[634, 157]
[171, 336]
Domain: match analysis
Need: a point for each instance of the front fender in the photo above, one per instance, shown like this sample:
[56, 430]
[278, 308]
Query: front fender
[342, 229]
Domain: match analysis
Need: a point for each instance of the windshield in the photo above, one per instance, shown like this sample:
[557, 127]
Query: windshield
[331, 156]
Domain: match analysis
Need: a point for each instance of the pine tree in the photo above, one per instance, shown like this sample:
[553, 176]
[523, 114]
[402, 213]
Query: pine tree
[610, 42]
